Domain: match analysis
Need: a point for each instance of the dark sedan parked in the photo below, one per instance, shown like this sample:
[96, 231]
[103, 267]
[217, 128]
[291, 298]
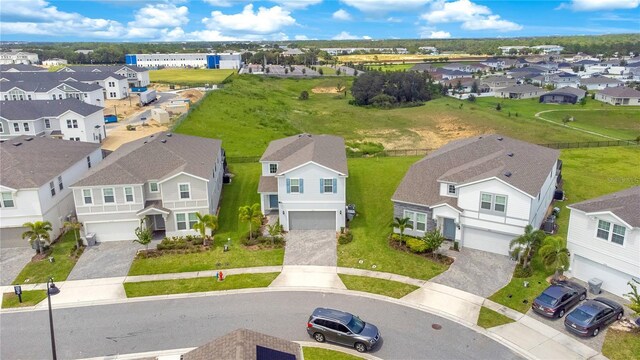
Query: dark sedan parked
[592, 316]
[558, 298]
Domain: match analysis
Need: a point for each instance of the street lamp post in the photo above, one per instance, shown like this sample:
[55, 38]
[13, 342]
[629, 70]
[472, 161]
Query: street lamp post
[52, 289]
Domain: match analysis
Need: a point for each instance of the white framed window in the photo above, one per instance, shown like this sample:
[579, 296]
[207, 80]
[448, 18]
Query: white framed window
[153, 187]
[185, 191]
[411, 216]
[60, 185]
[25, 126]
[617, 236]
[327, 185]
[107, 195]
[52, 187]
[1, 128]
[603, 229]
[485, 201]
[421, 222]
[500, 203]
[294, 186]
[69, 124]
[7, 200]
[493, 203]
[16, 127]
[186, 221]
[273, 168]
[128, 194]
[451, 189]
[87, 197]
[47, 124]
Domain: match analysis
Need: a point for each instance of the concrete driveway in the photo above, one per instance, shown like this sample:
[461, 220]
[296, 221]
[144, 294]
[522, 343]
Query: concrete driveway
[107, 259]
[12, 261]
[478, 272]
[311, 247]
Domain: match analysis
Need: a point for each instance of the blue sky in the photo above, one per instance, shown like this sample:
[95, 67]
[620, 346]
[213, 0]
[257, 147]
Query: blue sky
[225, 20]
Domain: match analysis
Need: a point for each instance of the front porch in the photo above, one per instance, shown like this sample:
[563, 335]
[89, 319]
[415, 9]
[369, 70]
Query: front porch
[155, 218]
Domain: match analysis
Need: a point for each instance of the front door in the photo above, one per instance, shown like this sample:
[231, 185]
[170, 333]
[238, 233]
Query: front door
[273, 201]
[449, 229]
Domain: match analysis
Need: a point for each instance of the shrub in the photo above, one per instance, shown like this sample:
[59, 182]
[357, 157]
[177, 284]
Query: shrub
[304, 95]
[456, 246]
[498, 107]
[397, 238]
[417, 246]
[471, 98]
[345, 238]
[521, 272]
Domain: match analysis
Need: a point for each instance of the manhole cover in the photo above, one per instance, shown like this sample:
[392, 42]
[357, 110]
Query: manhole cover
[436, 326]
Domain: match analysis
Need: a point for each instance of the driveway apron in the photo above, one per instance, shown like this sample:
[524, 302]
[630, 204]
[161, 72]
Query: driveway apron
[104, 260]
[311, 247]
[478, 272]
[12, 261]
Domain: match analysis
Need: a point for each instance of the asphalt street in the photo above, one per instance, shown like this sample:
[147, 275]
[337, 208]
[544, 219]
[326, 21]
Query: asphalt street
[189, 322]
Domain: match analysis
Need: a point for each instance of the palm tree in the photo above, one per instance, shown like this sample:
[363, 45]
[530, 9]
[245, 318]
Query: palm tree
[206, 221]
[522, 246]
[74, 226]
[401, 224]
[252, 214]
[38, 231]
[555, 255]
[143, 235]
[274, 230]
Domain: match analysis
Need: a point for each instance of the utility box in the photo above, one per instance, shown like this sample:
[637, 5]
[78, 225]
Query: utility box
[91, 239]
[595, 286]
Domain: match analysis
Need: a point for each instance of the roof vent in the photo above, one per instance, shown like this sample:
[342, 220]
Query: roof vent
[507, 173]
[510, 154]
[169, 134]
[150, 136]
[163, 141]
[17, 143]
[28, 139]
[145, 142]
[500, 138]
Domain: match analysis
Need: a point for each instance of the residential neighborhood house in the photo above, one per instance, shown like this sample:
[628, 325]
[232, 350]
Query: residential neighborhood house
[18, 57]
[114, 86]
[136, 76]
[564, 95]
[524, 91]
[620, 95]
[600, 82]
[51, 90]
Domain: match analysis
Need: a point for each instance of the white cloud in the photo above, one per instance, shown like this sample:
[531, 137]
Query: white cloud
[296, 4]
[438, 35]
[263, 21]
[224, 3]
[593, 5]
[301, 37]
[491, 22]
[342, 15]
[366, 37]
[161, 16]
[471, 15]
[383, 6]
[391, 19]
[345, 36]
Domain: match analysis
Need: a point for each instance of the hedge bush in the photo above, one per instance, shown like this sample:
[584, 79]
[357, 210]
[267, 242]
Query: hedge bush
[345, 238]
[417, 246]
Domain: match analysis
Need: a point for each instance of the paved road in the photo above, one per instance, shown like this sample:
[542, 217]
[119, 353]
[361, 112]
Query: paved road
[190, 322]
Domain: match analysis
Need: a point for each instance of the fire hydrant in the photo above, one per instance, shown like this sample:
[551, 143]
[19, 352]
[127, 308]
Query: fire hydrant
[220, 276]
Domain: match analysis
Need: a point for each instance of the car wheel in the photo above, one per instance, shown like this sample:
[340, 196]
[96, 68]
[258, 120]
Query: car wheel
[619, 316]
[583, 296]
[318, 337]
[596, 332]
[561, 313]
[360, 347]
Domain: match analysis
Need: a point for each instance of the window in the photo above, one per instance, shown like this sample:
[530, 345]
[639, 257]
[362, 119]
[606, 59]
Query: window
[618, 234]
[451, 189]
[128, 194]
[273, 168]
[485, 202]
[112, 84]
[52, 186]
[47, 124]
[1, 128]
[72, 124]
[494, 203]
[89, 162]
[29, 97]
[153, 187]
[7, 200]
[68, 124]
[185, 191]
[500, 203]
[75, 139]
[603, 229]
[181, 221]
[16, 127]
[87, 197]
[421, 222]
[411, 216]
[327, 185]
[25, 126]
[108, 196]
[60, 185]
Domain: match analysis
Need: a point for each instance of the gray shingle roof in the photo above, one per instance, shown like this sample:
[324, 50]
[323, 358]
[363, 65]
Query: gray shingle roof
[59, 76]
[621, 91]
[567, 90]
[625, 204]
[46, 85]
[293, 151]
[155, 158]
[103, 68]
[39, 160]
[477, 158]
[21, 67]
[268, 184]
[521, 89]
[599, 80]
[35, 109]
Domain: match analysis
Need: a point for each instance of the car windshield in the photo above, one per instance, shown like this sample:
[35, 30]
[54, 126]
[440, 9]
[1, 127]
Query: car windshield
[549, 300]
[581, 315]
[356, 325]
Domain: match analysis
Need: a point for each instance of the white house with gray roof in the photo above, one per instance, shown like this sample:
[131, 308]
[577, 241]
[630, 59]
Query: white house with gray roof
[600, 82]
[114, 86]
[604, 239]
[481, 191]
[524, 91]
[304, 180]
[51, 90]
[68, 119]
[35, 174]
[136, 76]
[163, 179]
[619, 95]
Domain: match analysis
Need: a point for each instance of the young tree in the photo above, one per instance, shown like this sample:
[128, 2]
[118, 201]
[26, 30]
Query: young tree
[475, 88]
[340, 86]
[471, 98]
[522, 246]
[252, 215]
[555, 255]
[38, 231]
[304, 71]
[274, 230]
[434, 240]
[206, 221]
[355, 72]
[498, 107]
[320, 71]
[74, 226]
[143, 235]
[402, 224]
[304, 95]
[338, 72]
[634, 297]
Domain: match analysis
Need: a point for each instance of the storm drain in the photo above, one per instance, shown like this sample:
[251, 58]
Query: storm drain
[436, 326]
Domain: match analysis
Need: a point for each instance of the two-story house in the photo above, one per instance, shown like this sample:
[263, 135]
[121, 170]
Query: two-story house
[304, 180]
[604, 239]
[51, 90]
[136, 76]
[163, 179]
[69, 119]
[481, 191]
[114, 86]
[35, 174]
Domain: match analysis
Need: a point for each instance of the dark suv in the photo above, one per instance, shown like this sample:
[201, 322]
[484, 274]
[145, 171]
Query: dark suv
[558, 298]
[342, 328]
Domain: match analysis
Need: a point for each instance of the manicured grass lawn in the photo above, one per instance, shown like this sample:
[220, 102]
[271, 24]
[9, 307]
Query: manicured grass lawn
[40, 271]
[390, 67]
[620, 123]
[384, 287]
[518, 297]
[620, 345]
[489, 318]
[166, 287]
[29, 298]
[313, 353]
[372, 182]
[242, 191]
[327, 70]
[190, 76]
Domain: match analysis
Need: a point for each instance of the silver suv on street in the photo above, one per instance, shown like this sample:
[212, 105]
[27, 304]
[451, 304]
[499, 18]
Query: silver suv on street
[342, 328]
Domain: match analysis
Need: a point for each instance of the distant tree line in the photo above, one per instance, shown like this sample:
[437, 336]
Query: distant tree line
[393, 89]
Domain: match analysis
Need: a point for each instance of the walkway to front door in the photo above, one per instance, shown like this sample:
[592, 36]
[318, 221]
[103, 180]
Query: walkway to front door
[311, 247]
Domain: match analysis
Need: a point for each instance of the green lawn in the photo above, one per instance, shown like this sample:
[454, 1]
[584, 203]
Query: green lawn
[390, 67]
[29, 298]
[181, 286]
[620, 345]
[327, 70]
[620, 123]
[314, 353]
[189, 76]
[384, 287]
[489, 318]
[40, 271]
[372, 224]
[242, 191]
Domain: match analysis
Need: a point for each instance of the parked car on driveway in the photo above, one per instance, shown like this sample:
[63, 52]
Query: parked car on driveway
[342, 328]
[592, 316]
[558, 298]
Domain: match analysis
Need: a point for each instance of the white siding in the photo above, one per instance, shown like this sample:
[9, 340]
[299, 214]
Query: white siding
[541, 203]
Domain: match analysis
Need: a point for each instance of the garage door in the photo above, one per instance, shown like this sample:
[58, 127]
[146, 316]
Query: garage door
[12, 238]
[113, 231]
[312, 220]
[486, 241]
[613, 280]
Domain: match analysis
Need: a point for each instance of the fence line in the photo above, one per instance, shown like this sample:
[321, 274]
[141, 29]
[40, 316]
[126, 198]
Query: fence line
[589, 144]
[184, 115]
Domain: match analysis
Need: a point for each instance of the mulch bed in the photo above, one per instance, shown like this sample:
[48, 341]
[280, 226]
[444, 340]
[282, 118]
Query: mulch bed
[442, 259]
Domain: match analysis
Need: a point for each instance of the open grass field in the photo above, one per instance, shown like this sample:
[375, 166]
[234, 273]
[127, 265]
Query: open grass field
[384, 287]
[190, 76]
[390, 67]
[403, 57]
[181, 286]
[621, 123]
[29, 298]
[40, 271]
[251, 111]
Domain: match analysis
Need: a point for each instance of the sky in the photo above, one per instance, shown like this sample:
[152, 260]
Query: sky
[281, 20]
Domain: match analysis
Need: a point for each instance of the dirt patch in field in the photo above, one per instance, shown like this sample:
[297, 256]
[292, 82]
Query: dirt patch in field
[191, 94]
[324, 90]
[120, 135]
[123, 107]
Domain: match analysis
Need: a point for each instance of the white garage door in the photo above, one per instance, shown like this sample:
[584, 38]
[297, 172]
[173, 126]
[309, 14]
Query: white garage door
[613, 280]
[312, 220]
[113, 231]
[486, 241]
